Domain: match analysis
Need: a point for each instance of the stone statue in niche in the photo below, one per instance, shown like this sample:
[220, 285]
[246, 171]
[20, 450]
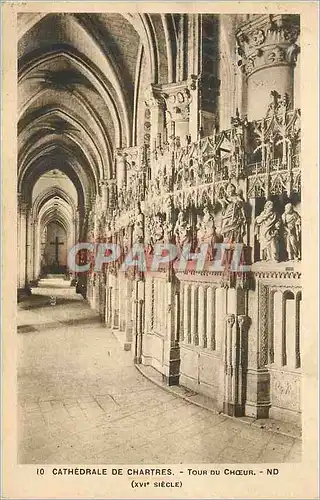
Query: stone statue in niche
[147, 232]
[109, 232]
[233, 221]
[121, 197]
[138, 226]
[267, 226]
[168, 219]
[126, 239]
[155, 231]
[292, 231]
[182, 231]
[167, 231]
[206, 231]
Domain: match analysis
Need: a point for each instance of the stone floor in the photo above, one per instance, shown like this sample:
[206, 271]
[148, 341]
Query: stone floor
[81, 400]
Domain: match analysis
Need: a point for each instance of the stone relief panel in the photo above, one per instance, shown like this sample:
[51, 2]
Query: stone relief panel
[285, 390]
[240, 185]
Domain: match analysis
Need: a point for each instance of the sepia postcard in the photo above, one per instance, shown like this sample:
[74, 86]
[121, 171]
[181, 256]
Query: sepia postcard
[160, 250]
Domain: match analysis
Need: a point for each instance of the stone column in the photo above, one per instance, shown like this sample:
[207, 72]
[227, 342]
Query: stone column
[210, 319]
[38, 249]
[243, 324]
[268, 53]
[108, 318]
[139, 320]
[128, 316]
[234, 352]
[278, 327]
[155, 102]
[298, 329]
[228, 368]
[177, 313]
[171, 345]
[21, 250]
[35, 273]
[290, 336]
[121, 302]
[235, 365]
[178, 99]
[202, 313]
[29, 246]
[121, 170]
[115, 303]
[93, 298]
[76, 227]
[111, 290]
[186, 313]
[194, 108]
[22, 244]
[194, 315]
[221, 308]
[257, 375]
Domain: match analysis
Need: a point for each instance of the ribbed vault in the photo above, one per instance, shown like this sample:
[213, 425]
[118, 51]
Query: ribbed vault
[81, 92]
[78, 75]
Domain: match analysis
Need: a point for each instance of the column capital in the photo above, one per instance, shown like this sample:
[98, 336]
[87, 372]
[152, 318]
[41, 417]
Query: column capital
[243, 321]
[230, 319]
[154, 97]
[103, 183]
[178, 98]
[268, 40]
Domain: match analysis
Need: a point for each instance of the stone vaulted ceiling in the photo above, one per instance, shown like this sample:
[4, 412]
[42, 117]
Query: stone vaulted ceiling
[78, 76]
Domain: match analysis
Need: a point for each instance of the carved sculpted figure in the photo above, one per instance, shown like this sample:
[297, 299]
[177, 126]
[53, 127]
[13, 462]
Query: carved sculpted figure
[206, 230]
[292, 227]
[267, 226]
[108, 232]
[182, 231]
[138, 227]
[167, 231]
[127, 238]
[233, 224]
[155, 230]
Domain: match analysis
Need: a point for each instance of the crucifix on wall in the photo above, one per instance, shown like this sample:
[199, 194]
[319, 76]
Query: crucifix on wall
[57, 243]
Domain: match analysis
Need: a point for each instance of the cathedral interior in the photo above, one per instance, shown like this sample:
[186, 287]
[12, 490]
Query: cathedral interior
[171, 128]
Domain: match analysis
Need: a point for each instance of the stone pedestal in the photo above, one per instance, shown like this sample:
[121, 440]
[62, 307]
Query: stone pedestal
[258, 393]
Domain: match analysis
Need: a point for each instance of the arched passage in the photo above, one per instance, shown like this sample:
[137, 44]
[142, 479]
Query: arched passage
[79, 91]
